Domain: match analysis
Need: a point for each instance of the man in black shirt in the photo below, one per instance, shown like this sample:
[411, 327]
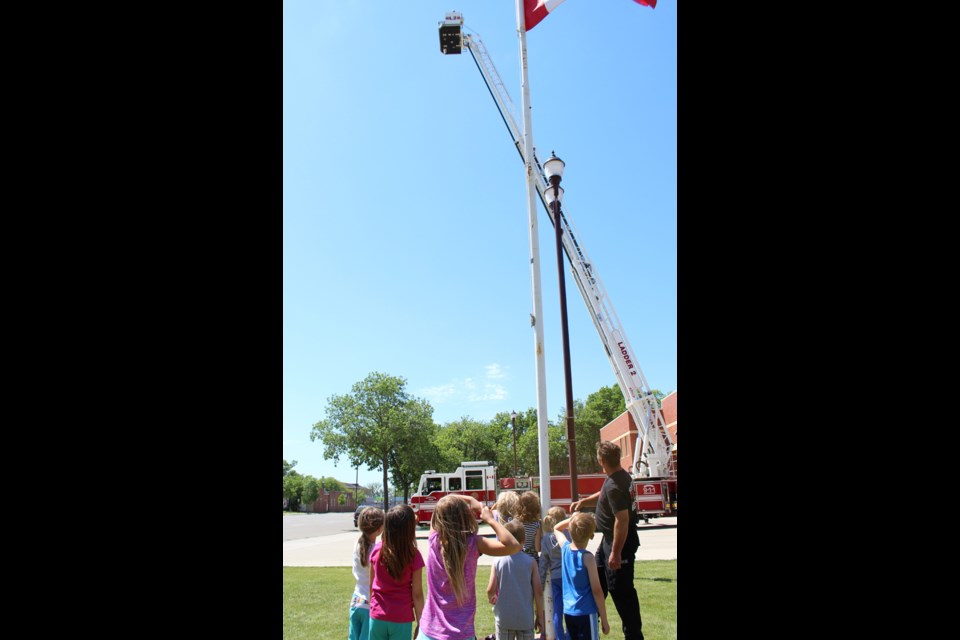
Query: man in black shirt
[615, 520]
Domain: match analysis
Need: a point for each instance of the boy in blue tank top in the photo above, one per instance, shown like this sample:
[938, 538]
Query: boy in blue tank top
[582, 595]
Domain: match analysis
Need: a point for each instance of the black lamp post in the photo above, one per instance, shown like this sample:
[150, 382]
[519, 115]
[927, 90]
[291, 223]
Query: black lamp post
[513, 419]
[553, 169]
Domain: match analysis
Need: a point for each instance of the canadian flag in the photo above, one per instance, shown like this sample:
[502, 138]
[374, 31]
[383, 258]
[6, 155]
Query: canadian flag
[536, 10]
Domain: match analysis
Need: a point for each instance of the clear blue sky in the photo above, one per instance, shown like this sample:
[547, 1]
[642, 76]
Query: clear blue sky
[405, 234]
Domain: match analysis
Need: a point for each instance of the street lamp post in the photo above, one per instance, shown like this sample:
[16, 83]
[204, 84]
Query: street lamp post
[513, 419]
[553, 169]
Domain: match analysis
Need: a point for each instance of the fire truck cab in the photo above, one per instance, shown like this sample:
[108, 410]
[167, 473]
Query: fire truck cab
[477, 478]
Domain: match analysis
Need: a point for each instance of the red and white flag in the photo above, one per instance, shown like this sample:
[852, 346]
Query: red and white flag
[536, 10]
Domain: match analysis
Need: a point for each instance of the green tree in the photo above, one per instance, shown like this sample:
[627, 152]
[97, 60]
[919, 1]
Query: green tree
[288, 470]
[292, 490]
[331, 484]
[528, 447]
[463, 440]
[310, 491]
[601, 408]
[371, 423]
[416, 449]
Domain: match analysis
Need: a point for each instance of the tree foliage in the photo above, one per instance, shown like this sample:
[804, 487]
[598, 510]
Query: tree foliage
[311, 490]
[415, 449]
[601, 407]
[292, 490]
[462, 440]
[331, 484]
[380, 425]
[377, 424]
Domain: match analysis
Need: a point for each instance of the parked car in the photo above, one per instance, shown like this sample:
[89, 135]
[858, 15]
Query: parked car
[356, 514]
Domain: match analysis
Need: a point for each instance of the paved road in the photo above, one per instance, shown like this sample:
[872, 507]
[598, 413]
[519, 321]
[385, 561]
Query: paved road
[313, 525]
[327, 540]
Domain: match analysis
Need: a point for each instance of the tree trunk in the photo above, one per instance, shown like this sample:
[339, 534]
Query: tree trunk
[386, 490]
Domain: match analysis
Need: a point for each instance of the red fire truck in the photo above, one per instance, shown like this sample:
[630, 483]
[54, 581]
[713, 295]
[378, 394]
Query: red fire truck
[478, 479]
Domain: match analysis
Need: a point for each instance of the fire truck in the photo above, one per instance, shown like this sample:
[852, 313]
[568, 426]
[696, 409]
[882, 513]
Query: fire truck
[478, 479]
[653, 469]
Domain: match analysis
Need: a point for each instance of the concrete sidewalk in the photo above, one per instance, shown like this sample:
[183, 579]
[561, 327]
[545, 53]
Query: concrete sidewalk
[658, 541]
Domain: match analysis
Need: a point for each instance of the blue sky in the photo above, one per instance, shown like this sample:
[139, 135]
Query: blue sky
[405, 233]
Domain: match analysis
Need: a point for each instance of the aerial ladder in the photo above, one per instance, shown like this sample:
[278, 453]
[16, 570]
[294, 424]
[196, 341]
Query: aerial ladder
[653, 454]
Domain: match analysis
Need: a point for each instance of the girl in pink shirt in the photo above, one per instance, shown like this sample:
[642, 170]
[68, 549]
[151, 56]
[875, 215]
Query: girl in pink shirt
[452, 566]
[396, 577]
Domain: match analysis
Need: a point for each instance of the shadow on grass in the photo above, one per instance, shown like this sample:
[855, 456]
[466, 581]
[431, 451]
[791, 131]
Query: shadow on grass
[657, 579]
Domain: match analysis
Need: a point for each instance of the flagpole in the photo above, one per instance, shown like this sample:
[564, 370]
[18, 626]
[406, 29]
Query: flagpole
[537, 317]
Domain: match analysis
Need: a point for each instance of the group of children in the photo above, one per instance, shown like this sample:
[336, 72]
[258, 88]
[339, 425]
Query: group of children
[388, 598]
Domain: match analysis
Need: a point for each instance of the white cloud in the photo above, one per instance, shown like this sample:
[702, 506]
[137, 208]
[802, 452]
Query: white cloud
[494, 371]
[469, 389]
[496, 392]
[439, 394]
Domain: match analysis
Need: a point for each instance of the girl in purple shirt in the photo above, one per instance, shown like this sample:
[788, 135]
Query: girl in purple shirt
[452, 566]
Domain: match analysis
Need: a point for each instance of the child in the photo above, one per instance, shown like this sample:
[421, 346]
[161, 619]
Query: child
[452, 566]
[370, 523]
[582, 594]
[529, 515]
[550, 559]
[396, 570]
[506, 507]
[514, 582]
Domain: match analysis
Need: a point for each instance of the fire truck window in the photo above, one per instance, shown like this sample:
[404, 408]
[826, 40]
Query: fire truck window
[454, 484]
[474, 480]
[433, 484]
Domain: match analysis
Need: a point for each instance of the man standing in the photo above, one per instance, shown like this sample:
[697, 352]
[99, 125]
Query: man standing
[620, 540]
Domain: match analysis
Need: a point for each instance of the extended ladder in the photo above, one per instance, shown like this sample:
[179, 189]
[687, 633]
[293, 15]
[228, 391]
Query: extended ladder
[653, 455]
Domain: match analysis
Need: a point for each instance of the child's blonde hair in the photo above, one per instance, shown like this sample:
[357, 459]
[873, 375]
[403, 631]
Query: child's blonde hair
[369, 522]
[582, 527]
[558, 514]
[453, 520]
[548, 522]
[529, 507]
[554, 515]
[507, 505]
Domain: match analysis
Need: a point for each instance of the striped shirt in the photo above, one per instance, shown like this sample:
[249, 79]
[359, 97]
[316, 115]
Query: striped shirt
[530, 532]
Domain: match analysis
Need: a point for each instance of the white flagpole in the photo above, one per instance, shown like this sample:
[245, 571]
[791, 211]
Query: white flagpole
[537, 318]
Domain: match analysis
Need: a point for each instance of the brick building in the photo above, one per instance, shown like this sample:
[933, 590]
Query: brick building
[329, 501]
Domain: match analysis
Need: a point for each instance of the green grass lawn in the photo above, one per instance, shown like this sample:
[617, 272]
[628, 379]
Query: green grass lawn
[316, 602]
